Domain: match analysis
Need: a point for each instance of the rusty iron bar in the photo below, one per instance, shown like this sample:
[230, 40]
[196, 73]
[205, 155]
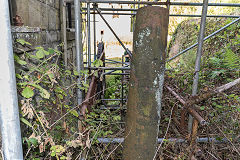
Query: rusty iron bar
[188, 108]
[197, 99]
[176, 95]
[194, 131]
[90, 98]
[193, 137]
[146, 83]
[183, 124]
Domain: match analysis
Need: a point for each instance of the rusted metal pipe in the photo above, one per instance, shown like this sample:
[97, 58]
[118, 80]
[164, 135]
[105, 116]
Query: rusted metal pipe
[176, 95]
[188, 109]
[146, 83]
[91, 93]
[89, 99]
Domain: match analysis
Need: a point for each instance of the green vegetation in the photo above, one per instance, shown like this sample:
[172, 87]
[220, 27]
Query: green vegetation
[49, 115]
[220, 65]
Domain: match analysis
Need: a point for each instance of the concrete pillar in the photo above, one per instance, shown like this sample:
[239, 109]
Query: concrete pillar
[146, 83]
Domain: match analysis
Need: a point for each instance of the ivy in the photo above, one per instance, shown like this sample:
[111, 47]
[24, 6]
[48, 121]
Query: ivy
[27, 92]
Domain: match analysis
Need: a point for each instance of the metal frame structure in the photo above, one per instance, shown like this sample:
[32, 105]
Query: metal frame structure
[92, 10]
[10, 125]
[9, 116]
[132, 11]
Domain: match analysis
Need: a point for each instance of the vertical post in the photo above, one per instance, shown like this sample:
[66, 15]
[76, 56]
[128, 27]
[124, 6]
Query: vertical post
[9, 115]
[78, 39]
[198, 58]
[133, 17]
[11, 12]
[122, 79]
[69, 9]
[94, 30]
[64, 32]
[89, 34]
[146, 83]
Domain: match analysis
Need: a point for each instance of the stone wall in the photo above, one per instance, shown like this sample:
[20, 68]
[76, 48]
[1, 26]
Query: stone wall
[40, 24]
[40, 21]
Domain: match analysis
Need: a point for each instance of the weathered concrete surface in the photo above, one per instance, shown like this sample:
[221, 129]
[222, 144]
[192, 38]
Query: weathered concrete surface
[146, 83]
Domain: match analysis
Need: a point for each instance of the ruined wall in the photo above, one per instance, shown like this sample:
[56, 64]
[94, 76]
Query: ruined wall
[38, 21]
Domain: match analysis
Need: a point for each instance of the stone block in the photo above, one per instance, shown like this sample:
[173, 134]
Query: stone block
[50, 3]
[58, 20]
[34, 13]
[52, 19]
[51, 36]
[44, 16]
[22, 9]
[57, 4]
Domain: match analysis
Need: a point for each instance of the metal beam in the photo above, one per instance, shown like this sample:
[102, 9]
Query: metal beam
[94, 32]
[159, 3]
[108, 68]
[209, 4]
[64, 34]
[172, 15]
[89, 34]
[9, 115]
[198, 57]
[160, 140]
[78, 39]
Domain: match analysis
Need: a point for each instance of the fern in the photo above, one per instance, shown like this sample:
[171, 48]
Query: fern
[231, 60]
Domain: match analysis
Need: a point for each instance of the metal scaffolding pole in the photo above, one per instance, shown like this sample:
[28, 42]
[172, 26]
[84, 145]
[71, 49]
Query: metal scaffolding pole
[78, 39]
[116, 61]
[94, 30]
[89, 34]
[134, 10]
[9, 115]
[174, 15]
[108, 68]
[159, 3]
[160, 140]
[210, 4]
[64, 32]
[198, 58]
